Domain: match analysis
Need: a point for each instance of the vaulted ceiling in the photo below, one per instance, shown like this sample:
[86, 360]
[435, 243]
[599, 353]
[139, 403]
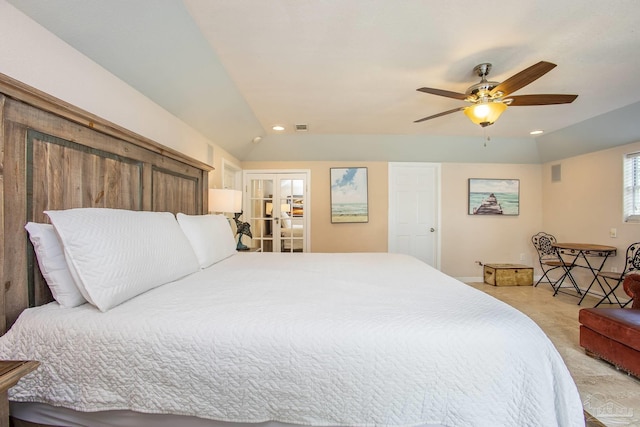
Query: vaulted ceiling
[349, 71]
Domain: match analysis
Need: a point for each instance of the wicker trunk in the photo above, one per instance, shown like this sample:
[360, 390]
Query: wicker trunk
[508, 275]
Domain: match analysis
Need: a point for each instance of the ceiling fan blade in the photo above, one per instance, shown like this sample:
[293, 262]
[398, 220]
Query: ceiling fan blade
[524, 100]
[523, 78]
[441, 92]
[440, 114]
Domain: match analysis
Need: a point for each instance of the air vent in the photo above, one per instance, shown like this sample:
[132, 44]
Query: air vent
[302, 128]
[556, 173]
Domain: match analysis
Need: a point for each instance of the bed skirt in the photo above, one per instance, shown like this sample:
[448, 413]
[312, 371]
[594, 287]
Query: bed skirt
[27, 414]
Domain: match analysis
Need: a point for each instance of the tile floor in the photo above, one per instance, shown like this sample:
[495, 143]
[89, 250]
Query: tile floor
[610, 395]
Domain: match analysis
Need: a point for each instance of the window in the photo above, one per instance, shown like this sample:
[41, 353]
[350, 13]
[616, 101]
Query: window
[632, 187]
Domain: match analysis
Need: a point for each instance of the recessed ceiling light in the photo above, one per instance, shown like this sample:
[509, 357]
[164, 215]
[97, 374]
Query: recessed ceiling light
[536, 132]
[278, 127]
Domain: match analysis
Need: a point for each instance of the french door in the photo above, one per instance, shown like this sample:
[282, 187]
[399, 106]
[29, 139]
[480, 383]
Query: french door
[276, 206]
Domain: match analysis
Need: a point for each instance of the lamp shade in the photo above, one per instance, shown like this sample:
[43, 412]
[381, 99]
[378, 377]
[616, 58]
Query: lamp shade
[284, 207]
[225, 200]
[485, 113]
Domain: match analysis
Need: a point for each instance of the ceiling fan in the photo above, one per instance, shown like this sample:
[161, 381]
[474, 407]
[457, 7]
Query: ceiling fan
[490, 99]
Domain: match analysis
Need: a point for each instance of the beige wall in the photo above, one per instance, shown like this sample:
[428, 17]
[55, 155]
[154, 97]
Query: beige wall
[328, 237]
[587, 202]
[489, 239]
[465, 238]
[582, 207]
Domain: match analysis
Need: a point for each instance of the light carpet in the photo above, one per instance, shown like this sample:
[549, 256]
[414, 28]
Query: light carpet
[609, 395]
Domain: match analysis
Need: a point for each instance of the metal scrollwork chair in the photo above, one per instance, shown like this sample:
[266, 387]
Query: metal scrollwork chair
[549, 259]
[613, 280]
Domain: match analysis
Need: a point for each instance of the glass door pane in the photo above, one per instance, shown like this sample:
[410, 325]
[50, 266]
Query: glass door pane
[260, 212]
[292, 213]
[275, 209]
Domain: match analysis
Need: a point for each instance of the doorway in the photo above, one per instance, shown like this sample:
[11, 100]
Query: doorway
[278, 211]
[414, 210]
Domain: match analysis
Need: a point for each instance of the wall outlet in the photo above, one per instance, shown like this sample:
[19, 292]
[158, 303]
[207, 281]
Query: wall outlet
[613, 232]
[522, 257]
[614, 269]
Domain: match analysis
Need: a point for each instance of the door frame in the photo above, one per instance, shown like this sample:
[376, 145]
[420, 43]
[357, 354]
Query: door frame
[228, 166]
[438, 213]
[307, 214]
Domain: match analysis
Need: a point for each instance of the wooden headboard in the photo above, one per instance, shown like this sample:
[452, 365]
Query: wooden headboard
[56, 156]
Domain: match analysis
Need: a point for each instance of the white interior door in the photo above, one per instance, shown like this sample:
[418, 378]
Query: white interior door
[414, 197]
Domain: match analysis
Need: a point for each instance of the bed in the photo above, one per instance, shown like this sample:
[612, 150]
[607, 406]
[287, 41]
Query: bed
[201, 335]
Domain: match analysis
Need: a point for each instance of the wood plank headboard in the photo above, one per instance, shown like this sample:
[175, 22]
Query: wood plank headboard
[56, 156]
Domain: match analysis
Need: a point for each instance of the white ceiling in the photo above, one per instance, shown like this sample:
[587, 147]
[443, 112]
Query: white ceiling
[350, 68]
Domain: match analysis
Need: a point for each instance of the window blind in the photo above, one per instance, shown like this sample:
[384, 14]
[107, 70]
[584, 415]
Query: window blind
[632, 187]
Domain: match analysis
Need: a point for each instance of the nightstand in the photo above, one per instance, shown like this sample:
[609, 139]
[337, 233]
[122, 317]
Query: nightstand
[251, 250]
[10, 373]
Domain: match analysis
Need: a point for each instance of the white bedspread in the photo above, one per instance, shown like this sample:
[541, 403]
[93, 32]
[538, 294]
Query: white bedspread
[318, 339]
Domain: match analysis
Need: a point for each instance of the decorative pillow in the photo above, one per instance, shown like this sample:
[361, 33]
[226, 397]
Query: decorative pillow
[53, 265]
[114, 255]
[210, 236]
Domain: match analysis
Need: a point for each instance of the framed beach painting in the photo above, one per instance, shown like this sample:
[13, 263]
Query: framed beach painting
[494, 196]
[349, 196]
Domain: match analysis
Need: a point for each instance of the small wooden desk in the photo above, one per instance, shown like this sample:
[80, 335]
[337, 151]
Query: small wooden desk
[10, 373]
[584, 251]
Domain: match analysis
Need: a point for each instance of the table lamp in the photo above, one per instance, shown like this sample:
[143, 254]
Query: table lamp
[224, 200]
[230, 201]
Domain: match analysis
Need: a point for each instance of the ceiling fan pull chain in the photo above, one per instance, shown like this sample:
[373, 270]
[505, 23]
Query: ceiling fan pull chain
[487, 138]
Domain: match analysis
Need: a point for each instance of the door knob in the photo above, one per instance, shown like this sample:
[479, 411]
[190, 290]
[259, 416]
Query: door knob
[432, 229]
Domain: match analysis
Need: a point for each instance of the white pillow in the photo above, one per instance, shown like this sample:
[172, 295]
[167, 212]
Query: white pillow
[286, 222]
[210, 236]
[114, 255]
[53, 266]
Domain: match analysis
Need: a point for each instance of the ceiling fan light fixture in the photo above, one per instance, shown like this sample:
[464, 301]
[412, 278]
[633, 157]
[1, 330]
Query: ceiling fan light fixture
[489, 99]
[485, 113]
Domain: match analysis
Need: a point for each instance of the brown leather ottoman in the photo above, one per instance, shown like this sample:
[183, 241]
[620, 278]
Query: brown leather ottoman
[612, 334]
